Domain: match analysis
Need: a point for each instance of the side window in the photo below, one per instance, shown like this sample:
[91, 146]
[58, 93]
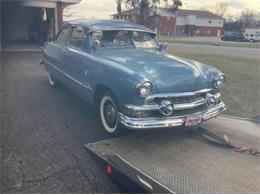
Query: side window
[63, 36]
[78, 38]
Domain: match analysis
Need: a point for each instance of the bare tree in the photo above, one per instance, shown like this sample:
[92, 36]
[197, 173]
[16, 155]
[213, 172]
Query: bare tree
[119, 6]
[221, 9]
[143, 6]
[249, 18]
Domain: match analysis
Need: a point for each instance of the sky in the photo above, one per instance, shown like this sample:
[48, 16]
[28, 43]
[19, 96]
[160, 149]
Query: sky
[103, 9]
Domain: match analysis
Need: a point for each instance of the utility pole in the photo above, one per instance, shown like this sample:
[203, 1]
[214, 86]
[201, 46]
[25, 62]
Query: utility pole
[156, 19]
[175, 23]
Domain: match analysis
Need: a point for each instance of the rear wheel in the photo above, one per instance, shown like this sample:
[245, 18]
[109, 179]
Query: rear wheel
[53, 81]
[108, 112]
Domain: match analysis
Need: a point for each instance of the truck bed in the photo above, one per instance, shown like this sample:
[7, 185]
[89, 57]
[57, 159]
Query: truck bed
[177, 161]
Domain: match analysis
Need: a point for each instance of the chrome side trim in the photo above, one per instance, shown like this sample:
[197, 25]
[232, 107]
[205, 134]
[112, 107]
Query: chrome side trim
[87, 86]
[162, 122]
[189, 105]
[153, 107]
[175, 95]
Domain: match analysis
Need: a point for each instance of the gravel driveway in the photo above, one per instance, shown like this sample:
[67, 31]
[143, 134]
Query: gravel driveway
[42, 134]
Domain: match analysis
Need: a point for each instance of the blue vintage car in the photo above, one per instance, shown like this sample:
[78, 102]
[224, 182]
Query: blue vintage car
[124, 71]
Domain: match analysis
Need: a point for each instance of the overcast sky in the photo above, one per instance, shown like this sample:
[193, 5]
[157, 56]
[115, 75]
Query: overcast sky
[102, 9]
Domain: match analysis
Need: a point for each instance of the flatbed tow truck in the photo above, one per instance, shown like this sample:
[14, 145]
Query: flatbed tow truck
[221, 156]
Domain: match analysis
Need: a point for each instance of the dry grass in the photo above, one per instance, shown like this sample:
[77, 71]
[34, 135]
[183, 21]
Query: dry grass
[242, 90]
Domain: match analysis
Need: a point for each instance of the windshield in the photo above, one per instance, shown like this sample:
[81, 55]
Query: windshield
[124, 39]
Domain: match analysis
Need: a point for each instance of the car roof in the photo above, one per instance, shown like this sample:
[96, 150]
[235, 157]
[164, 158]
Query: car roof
[99, 25]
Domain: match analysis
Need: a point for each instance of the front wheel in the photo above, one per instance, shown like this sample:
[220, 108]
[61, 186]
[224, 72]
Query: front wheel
[108, 111]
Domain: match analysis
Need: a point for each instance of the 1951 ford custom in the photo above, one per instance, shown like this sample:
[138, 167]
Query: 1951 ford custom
[124, 71]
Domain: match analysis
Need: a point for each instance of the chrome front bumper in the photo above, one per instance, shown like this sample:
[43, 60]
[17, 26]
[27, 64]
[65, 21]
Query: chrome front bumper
[174, 121]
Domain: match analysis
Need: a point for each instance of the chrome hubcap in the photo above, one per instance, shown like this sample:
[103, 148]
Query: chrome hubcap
[110, 114]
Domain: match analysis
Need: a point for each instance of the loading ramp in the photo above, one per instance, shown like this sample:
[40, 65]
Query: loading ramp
[177, 161]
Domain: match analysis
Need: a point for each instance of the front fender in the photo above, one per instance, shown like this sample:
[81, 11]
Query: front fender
[119, 79]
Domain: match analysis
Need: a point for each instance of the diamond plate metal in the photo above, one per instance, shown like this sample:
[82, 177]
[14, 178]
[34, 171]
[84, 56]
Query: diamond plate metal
[185, 164]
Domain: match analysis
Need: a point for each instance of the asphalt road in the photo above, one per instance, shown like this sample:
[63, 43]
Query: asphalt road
[43, 131]
[217, 50]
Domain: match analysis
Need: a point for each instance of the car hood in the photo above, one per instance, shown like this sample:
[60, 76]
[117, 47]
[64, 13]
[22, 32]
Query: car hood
[168, 73]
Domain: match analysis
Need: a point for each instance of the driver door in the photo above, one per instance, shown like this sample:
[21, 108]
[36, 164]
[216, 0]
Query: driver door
[76, 61]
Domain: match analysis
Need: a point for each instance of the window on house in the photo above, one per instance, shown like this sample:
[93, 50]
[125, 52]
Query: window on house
[63, 36]
[78, 38]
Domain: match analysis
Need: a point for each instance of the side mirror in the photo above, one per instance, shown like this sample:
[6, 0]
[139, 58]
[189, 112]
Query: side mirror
[163, 46]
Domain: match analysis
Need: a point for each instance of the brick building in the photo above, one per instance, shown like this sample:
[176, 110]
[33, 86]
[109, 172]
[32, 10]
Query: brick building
[184, 22]
[31, 21]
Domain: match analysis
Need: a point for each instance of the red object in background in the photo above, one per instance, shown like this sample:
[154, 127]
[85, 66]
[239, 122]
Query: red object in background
[108, 170]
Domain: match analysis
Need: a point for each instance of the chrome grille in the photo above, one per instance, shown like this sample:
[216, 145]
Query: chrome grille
[185, 100]
[180, 100]
[182, 103]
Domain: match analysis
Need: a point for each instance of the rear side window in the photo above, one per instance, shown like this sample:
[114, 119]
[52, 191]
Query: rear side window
[63, 36]
[78, 38]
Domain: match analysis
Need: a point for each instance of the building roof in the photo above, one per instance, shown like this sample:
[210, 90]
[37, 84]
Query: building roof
[97, 25]
[46, 3]
[69, 1]
[197, 13]
[127, 12]
[62, 1]
[165, 12]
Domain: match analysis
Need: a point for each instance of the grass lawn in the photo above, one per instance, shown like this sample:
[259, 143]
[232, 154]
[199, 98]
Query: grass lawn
[210, 42]
[242, 90]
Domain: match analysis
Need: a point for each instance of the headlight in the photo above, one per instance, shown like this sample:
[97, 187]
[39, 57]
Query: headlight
[144, 89]
[219, 81]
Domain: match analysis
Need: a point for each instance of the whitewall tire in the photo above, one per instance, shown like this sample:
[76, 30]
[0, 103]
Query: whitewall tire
[108, 112]
[52, 81]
